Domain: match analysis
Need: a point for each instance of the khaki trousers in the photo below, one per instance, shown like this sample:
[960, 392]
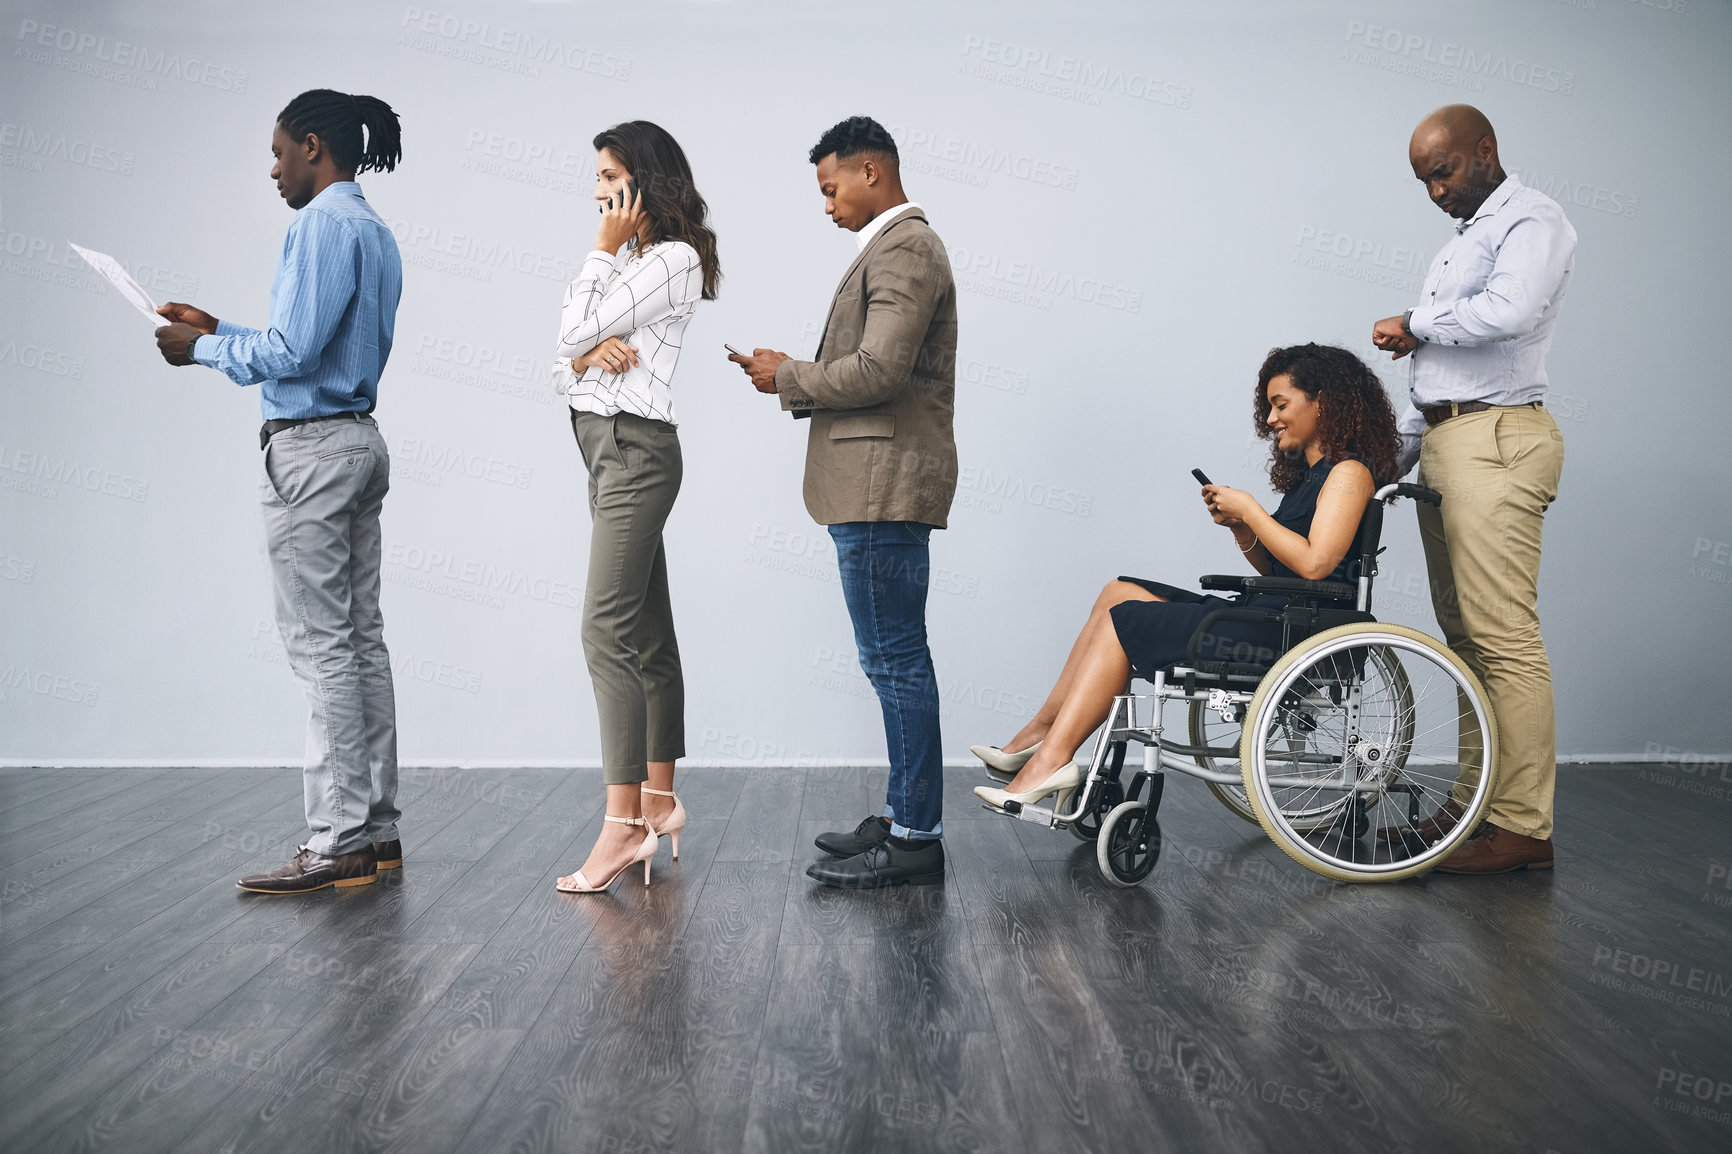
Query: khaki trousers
[628, 621]
[1498, 472]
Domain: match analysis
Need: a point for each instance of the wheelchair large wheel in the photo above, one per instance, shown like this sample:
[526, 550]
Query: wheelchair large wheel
[1363, 717]
[1129, 844]
[1302, 807]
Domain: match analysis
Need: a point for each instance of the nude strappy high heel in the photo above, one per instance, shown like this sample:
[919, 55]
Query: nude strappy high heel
[674, 822]
[576, 883]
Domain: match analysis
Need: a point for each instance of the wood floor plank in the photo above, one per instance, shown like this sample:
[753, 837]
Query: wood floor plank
[328, 1084]
[161, 1105]
[19, 784]
[59, 1080]
[761, 828]
[36, 789]
[645, 1043]
[1232, 1001]
[151, 796]
[512, 979]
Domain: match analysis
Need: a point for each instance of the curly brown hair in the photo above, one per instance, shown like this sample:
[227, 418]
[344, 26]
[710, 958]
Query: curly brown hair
[1354, 417]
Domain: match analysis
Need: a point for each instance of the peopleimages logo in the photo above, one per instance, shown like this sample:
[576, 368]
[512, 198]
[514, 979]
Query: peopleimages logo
[1023, 282]
[1053, 74]
[956, 158]
[51, 471]
[44, 145]
[437, 460]
[478, 254]
[1449, 62]
[1581, 194]
[47, 683]
[94, 51]
[484, 578]
[466, 39]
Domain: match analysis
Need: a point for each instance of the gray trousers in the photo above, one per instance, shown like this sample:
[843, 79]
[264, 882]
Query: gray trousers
[323, 487]
[634, 468]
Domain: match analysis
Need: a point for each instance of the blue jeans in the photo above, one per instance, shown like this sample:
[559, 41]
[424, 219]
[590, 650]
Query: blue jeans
[885, 567]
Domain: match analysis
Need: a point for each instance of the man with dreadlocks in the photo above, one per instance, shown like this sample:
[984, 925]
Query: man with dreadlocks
[326, 471]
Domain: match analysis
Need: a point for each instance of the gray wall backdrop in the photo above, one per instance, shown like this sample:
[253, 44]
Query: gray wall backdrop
[1140, 200]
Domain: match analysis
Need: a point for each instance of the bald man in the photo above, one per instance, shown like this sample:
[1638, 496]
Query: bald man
[1479, 429]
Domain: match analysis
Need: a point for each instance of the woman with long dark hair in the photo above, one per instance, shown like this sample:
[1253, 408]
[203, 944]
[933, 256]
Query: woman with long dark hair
[1333, 441]
[620, 333]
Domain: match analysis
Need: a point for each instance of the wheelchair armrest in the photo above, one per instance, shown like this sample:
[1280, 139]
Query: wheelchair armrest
[1260, 616]
[1231, 582]
[1295, 586]
[1416, 492]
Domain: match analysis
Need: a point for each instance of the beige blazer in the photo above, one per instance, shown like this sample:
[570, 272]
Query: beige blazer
[882, 392]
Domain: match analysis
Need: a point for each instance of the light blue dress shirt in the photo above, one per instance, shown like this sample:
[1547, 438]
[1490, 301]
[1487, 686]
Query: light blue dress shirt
[333, 310]
[1488, 308]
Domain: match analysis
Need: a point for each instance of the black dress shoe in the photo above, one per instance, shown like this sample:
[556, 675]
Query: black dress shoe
[308, 871]
[389, 853]
[870, 832]
[885, 864]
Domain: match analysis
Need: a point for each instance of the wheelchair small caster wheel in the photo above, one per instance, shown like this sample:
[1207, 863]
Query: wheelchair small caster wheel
[1352, 822]
[1087, 826]
[1129, 844]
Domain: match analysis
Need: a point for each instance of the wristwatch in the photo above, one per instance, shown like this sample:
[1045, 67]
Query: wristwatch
[1407, 323]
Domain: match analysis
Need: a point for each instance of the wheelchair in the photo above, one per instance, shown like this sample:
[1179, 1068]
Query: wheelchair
[1353, 719]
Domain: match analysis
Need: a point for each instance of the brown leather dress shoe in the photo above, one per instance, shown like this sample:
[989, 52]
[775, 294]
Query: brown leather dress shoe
[308, 871]
[1431, 829]
[1494, 850]
[389, 853]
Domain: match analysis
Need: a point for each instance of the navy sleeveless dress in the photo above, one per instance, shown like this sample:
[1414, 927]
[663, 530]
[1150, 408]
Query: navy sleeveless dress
[1154, 634]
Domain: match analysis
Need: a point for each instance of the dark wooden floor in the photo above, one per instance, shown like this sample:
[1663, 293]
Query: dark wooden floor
[1232, 1002]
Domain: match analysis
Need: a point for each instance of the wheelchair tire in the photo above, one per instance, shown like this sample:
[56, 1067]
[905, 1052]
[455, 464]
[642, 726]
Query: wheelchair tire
[1205, 725]
[1129, 844]
[1347, 696]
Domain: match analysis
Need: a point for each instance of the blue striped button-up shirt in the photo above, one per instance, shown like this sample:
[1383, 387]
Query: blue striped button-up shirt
[333, 309]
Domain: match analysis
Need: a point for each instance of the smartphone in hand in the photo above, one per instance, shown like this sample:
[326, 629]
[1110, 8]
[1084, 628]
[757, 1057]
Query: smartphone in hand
[732, 349]
[1201, 479]
[621, 199]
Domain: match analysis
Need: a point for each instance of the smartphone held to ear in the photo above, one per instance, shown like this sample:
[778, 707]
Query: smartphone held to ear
[621, 199]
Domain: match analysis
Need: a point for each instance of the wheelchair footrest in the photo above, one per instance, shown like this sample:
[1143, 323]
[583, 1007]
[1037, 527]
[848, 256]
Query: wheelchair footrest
[1038, 814]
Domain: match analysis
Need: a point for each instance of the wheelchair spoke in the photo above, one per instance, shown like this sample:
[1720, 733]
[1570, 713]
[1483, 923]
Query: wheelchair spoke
[1401, 729]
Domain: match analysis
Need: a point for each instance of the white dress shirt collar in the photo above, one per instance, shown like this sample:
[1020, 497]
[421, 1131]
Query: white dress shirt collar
[865, 235]
[1498, 198]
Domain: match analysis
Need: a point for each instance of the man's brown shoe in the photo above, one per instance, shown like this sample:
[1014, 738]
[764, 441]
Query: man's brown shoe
[308, 871]
[1431, 829]
[389, 853]
[1494, 850]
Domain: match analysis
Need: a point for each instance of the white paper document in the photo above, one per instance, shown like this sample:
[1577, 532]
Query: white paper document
[122, 280]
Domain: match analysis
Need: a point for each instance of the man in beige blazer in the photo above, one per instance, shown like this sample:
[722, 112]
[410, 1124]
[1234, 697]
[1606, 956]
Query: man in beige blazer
[881, 473]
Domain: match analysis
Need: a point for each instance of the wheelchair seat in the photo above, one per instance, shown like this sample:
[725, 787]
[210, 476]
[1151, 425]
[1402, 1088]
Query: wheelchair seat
[1312, 606]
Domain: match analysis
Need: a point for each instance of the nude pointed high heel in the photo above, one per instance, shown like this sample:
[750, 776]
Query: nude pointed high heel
[576, 883]
[1000, 764]
[1063, 780]
[676, 820]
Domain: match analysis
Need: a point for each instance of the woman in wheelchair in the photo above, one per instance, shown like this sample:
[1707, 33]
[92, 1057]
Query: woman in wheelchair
[1333, 441]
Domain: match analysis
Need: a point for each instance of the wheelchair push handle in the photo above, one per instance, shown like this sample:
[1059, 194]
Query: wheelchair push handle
[1417, 492]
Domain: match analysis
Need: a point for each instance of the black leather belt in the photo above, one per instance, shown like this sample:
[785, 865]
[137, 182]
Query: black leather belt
[1438, 414]
[271, 428]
